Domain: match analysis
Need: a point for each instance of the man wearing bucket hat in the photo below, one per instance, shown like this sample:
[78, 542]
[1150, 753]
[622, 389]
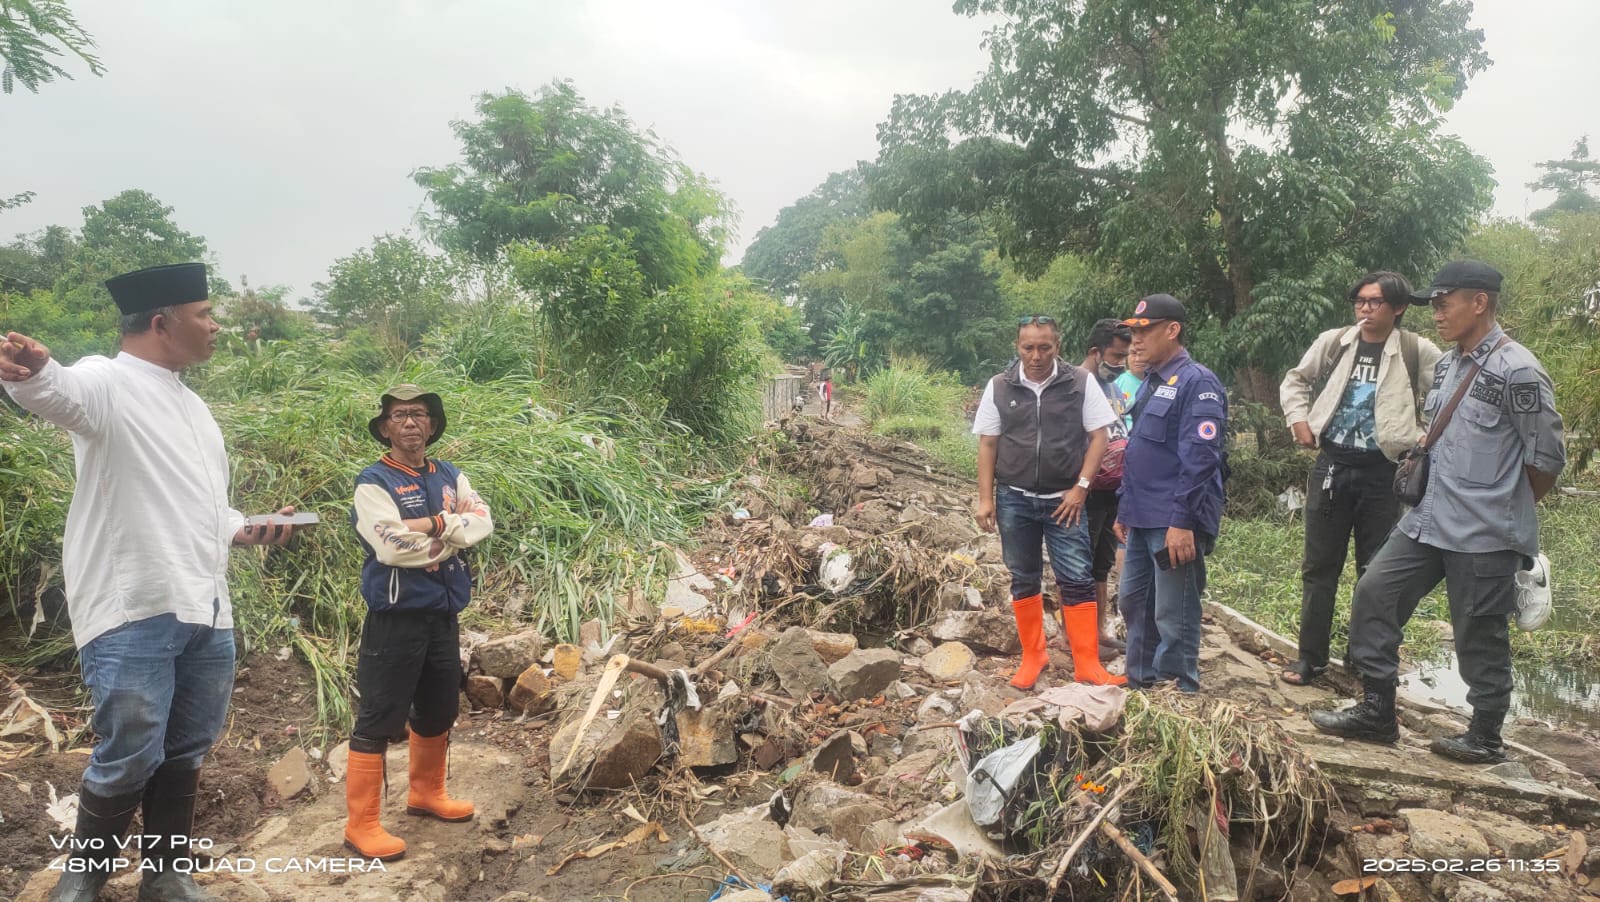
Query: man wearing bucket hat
[1170, 506]
[1497, 451]
[415, 515]
[145, 561]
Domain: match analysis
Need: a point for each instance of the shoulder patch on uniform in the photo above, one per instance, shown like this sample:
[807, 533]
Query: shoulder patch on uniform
[1209, 396]
[1207, 430]
[1526, 397]
[1166, 391]
[1489, 388]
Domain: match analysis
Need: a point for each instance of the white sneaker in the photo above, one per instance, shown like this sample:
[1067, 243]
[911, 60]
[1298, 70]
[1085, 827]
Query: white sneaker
[1533, 595]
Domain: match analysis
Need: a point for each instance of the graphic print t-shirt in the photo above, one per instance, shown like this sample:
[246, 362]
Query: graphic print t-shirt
[1354, 427]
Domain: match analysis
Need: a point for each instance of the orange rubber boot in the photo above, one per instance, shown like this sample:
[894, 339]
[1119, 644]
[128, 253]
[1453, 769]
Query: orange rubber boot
[1030, 626]
[427, 794]
[363, 794]
[1082, 623]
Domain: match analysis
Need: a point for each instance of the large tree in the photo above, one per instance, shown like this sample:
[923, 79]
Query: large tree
[394, 289]
[1251, 156]
[551, 168]
[786, 250]
[34, 34]
[1573, 180]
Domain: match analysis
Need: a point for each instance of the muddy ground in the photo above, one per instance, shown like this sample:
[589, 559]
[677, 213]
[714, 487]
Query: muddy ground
[916, 551]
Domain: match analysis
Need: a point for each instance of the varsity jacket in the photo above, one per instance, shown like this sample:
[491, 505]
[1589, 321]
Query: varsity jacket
[406, 570]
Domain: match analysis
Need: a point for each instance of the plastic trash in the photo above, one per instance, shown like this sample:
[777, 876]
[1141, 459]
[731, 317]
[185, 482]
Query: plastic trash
[741, 514]
[822, 520]
[994, 781]
[836, 574]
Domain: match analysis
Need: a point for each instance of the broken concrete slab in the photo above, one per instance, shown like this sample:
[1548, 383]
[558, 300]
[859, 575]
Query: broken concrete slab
[957, 597]
[706, 735]
[613, 753]
[832, 646]
[864, 673]
[988, 630]
[811, 875]
[949, 663]
[799, 668]
[508, 656]
[851, 823]
[749, 840]
[1381, 779]
[1513, 837]
[836, 757]
[532, 694]
[566, 660]
[1440, 834]
[816, 804]
[291, 775]
[485, 691]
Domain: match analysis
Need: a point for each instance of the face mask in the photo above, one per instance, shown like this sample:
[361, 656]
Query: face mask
[1109, 372]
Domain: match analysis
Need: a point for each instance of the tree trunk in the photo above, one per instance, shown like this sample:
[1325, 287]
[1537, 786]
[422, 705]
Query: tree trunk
[1253, 382]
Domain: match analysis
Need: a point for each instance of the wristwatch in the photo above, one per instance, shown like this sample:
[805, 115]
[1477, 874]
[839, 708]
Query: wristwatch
[1083, 482]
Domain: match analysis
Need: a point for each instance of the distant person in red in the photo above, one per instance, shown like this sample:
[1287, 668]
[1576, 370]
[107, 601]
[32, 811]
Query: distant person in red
[825, 394]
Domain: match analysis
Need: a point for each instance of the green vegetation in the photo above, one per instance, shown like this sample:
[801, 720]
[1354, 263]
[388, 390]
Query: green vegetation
[910, 400]
[1256, 570]
[582, 498]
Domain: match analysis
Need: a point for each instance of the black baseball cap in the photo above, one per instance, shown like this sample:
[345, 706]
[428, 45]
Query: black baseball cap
[1461, 274]
[1156, 308]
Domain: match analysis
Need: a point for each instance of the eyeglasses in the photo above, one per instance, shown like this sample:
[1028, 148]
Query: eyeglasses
[1143, 323]
[1367, 302]
[400, 416]
[1039, 318]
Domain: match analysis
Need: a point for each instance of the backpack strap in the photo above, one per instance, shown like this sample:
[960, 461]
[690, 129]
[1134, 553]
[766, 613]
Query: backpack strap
[1411, 354]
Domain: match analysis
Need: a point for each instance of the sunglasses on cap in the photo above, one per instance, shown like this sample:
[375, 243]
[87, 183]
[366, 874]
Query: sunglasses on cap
[1039, 318]
[1143, 322]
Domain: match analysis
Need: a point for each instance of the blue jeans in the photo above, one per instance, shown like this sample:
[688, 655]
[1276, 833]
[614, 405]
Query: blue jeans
[1162, 611]
[1026, 530]
[160, 690]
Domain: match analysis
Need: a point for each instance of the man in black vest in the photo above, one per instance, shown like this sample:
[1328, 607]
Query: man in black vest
[1042, 432]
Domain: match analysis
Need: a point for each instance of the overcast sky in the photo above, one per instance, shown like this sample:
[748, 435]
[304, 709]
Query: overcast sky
[285, 132]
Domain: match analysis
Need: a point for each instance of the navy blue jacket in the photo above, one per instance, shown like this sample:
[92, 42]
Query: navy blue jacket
[1172, 472]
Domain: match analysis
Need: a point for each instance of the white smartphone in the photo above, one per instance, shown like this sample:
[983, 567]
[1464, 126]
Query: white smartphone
[304, 518]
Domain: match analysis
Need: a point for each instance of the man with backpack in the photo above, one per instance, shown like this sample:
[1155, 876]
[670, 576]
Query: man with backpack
[1495, 446]
[1107, 359]
[1364, 417]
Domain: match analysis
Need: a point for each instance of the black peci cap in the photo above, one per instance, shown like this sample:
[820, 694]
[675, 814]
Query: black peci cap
[159, 286]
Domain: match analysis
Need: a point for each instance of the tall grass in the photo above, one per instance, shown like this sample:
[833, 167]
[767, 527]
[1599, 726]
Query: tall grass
[909, 387]
[583, 497]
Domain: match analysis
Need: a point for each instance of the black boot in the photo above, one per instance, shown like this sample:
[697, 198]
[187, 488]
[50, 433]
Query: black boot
[102, 820]
[1370, 720]
[168, 822]
[1480, 744]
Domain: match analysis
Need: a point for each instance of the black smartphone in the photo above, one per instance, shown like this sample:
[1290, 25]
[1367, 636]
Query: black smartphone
[1164, 559]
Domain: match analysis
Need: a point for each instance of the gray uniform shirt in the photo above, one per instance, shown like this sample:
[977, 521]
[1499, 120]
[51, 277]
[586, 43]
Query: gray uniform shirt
[1478, 497]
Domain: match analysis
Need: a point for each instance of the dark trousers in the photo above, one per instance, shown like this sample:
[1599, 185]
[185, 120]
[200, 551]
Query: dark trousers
[1026, 530]
[1359, 500]
[409, 670]
[1483, 594]
[1101, 510]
